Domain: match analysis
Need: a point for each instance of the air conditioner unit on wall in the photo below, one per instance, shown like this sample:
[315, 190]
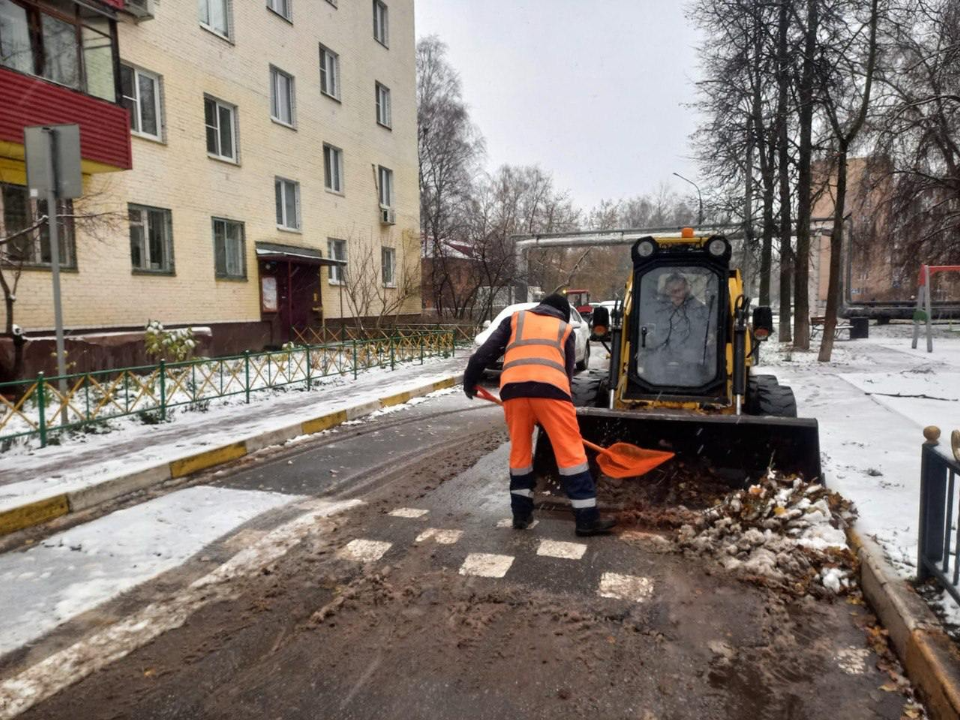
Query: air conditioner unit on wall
[140, 9]
[388, 216]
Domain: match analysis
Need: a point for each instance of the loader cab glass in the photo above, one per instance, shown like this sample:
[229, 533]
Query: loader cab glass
[676, 326]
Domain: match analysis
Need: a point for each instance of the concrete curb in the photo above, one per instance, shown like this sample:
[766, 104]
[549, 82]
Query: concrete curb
[38, 512]
[929, 656]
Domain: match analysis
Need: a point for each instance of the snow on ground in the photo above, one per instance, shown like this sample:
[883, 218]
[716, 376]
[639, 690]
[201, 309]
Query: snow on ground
[28, 473]
[83, 567]
[870, 432]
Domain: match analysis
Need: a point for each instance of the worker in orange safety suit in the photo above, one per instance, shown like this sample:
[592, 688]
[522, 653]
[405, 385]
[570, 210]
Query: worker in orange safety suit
[538, 350]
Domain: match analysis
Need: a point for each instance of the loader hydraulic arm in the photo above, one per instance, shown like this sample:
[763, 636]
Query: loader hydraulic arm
[740, 350]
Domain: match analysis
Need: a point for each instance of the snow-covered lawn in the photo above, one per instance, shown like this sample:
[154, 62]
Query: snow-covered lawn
[29, 473]
[873, 401]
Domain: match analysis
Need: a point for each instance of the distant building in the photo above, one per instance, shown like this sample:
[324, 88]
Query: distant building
[270, 139]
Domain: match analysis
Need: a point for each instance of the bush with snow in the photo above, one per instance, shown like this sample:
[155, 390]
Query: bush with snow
[171, 345]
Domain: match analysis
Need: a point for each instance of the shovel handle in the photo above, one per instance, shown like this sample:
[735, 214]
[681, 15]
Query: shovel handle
[482, 392]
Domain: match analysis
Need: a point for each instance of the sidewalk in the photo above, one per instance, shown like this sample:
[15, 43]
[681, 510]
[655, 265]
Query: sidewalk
[31, 474]
[871, 440]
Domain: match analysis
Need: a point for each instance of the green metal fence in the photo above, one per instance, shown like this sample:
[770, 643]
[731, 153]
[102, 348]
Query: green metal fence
[39, 408]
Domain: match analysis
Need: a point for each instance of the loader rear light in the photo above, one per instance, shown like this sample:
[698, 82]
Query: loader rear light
[600, 330]
[761, 333]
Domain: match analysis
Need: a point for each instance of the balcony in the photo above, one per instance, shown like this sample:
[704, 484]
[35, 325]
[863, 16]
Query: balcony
[58, 64]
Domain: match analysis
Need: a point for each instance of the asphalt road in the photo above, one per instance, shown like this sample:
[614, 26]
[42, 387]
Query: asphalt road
[415, 602]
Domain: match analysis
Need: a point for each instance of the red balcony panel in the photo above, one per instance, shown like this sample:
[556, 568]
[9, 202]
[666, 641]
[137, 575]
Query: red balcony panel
[118, 4]
[104, 126]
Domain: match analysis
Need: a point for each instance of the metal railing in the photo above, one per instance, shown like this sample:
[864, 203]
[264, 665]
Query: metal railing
[37, 407]
[939, 540]
[333, 333]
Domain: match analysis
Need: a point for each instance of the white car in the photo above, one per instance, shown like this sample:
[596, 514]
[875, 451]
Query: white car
[581, 332]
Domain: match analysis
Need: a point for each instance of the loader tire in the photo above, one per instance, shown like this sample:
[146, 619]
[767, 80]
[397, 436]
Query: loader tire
[587, 389]
[766, 396]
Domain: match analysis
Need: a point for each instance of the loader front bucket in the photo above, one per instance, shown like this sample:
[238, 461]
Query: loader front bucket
[739, 447]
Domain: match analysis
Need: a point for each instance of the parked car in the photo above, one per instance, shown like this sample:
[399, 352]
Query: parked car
[581, 331]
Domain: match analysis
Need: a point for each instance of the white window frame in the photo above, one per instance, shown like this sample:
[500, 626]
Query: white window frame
[336, 276]
[385, 186]
[272, 7]
[167, 266]
[283, 222]
[227, 32]
[276, 74]
[240, 256]
[384, 106]
[329, 73]
[388, 252]
[333, 161]
[381, 23]
[232, 109]
[158, 104]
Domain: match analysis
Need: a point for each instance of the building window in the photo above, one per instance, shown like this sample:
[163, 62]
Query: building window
[333, 168]
[20, 212]
[141, 98]
[329, 73]
[385, 179]
[288, 204]
[337, 250]
[215, 16]
[151, 239]
[221, 121]
[228, 249]
[282, 105]
[67, 43]
[381, 29]
[388, 261]
[384, 113]
[283, 8]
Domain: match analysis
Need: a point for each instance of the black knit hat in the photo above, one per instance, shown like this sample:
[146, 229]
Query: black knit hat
[558, 302]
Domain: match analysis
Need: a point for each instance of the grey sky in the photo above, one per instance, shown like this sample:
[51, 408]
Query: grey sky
[591, 90]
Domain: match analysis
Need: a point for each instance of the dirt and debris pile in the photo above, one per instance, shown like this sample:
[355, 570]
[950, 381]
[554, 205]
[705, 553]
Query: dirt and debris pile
[782, 532]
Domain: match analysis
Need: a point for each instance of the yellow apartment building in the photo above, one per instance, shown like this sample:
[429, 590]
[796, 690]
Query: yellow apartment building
[272, 140]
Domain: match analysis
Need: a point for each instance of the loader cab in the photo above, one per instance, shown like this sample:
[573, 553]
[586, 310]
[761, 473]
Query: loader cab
[678, 320]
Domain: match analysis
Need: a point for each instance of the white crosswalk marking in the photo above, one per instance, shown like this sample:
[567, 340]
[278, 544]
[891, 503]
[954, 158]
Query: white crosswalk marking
[563, 550]
[412, 513]
[364, 550]
[486, 565]
[625, 587]
[508, 523]
[441, 537]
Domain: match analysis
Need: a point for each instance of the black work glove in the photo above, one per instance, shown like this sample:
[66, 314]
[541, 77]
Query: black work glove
[470, 391]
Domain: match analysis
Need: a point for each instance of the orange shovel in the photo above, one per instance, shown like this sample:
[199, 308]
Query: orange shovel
[620, 460]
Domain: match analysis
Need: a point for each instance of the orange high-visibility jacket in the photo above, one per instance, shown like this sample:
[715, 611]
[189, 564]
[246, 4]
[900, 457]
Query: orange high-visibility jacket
[535, 351]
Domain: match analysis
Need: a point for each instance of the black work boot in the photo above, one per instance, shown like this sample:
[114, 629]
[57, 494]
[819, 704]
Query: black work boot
[594, 525]
[522, 522]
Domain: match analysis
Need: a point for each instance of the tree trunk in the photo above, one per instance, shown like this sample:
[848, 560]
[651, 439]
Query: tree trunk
[801, 335]
[783, 167]
[766, 249]
[836, 257]
[748, 238]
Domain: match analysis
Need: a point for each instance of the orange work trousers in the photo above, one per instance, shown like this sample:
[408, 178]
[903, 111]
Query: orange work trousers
[558, 418]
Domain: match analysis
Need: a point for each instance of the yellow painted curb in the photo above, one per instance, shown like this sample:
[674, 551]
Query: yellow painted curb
[444, 384]
[33, 514]
[397, 399]
[323, 423]
[201, 461]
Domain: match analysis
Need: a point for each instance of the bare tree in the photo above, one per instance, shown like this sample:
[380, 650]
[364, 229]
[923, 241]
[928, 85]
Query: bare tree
[450, 150]
[374, 290]
[847, 85]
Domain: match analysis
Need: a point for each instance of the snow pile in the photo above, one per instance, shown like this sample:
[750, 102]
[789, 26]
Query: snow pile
[783, 532]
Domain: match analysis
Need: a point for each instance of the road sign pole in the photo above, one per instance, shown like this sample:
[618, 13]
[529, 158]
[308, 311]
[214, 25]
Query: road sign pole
[54, 229]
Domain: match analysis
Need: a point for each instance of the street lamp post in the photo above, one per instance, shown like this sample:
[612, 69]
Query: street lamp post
[699, 197]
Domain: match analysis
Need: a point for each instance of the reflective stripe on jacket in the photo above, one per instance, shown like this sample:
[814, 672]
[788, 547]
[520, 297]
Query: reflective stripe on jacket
[535, 351]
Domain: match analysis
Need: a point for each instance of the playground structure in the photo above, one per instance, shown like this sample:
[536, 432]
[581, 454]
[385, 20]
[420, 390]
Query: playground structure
[924, 309]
